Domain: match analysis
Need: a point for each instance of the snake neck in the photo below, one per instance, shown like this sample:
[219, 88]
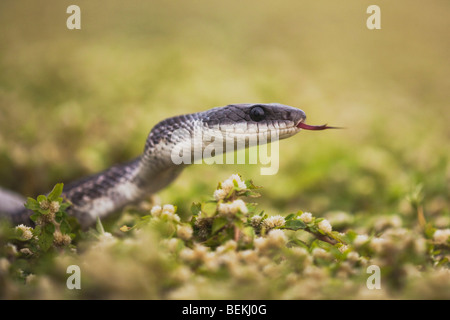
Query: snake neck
[121, 185]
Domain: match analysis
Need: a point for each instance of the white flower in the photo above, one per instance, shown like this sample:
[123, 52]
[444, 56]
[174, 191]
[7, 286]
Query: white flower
[182, 274]
[228, 259]
[299, 252]
[420, 245]
[233, 207]
[248, 256]
[44, 204]
[4, 265]
[277, 237]
[220, 194]
[256, 220]
[306, 217]
[325, 226]
[230, 245]
[187, 254]
[172, 244]
[240, 205]
[200, 252]
[184, 232]
[30, 278]
[54, 206]
[26, 233]
[385, 222]
[197, 254]
[211, 262]
[105, 240]
[260, 243]
[343, 248]
[168, 212]
[228, 185]
[274, 221]
[26, 251]
[353, 256]
[360, 240]
[168, 209]
[274, 240]
[441, 236]
[61, 239]
[156, 211]
[378, 244]
[320, 253]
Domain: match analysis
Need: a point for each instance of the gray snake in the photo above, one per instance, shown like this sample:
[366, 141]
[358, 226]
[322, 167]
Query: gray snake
[109, 191]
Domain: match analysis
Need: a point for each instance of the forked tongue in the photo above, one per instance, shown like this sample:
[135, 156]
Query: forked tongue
[305, 126]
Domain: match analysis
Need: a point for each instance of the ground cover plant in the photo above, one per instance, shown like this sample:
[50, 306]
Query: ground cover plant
[227, 243]
[73, 103]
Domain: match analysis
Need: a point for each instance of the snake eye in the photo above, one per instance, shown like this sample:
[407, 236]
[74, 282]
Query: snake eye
[257, 114]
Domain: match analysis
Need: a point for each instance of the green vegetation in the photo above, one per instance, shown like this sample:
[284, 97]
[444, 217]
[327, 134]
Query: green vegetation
[227, 244]
[75, 102]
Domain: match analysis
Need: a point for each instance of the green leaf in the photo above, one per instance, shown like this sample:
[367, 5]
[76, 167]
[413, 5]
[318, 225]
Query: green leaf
[65, 227]
[249, 231]
[218, 224]
[37, 231]
[56, 192]
[209, 209]
[297, 243]
[442, 262]
[99, 226]
[429, 231]
[41, 198]
[43, 211]
[64, 206]
[250, 185]
[32, 204]
[249, 193]
[45, 241]
[49, 228]
[295, 224]
[196, 208]
[290, 216]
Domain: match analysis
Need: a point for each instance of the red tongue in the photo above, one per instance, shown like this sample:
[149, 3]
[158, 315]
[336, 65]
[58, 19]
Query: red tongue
[309, 127]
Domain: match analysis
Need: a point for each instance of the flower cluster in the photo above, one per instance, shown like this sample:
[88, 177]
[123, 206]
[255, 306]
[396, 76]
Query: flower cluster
[273, 222]
[25, 233]
[325, 226]
[226, 187]
[165, 212]
[52, 228]
[232, 208]
[441, 236]
[228, 244]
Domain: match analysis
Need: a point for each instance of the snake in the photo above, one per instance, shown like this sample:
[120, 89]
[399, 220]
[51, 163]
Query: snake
[102, 194]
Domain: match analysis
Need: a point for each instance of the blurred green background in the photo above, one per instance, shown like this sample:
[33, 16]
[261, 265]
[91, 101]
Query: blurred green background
[74, 102]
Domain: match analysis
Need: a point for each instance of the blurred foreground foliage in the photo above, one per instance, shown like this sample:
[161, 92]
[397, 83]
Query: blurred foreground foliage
[230, 249]
[75, 103]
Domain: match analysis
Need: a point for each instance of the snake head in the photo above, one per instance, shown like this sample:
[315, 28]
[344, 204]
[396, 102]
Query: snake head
[250, 119]
[234, 122]
[255, 119]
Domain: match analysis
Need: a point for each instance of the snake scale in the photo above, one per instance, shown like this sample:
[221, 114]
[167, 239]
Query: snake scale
[111, 190]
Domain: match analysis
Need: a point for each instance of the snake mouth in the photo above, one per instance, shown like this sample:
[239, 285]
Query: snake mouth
[302, 125]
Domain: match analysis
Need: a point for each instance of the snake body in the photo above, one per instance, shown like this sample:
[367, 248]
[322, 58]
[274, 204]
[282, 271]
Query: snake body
[109, 191]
